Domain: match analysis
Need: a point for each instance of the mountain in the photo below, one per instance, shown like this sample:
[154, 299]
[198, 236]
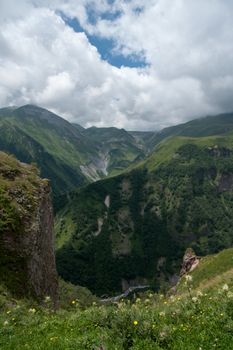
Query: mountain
[33, 134]
[206, 126]
[133, 229]
[27, 260]
[118, 148]
[66, 153]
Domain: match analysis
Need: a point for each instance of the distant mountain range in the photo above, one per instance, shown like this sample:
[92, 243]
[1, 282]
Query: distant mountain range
[69, 155]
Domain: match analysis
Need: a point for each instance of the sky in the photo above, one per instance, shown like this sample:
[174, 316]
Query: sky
[138, 65]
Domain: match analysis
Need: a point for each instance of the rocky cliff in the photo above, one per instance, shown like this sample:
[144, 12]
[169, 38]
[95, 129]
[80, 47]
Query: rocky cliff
[27, 262]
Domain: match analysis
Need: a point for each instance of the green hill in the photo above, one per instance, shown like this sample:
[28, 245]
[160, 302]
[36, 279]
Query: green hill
[133, 229]
[33, 134]
[206, 126]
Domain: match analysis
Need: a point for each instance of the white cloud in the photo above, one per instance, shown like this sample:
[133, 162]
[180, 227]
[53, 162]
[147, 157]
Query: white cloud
[188, 45]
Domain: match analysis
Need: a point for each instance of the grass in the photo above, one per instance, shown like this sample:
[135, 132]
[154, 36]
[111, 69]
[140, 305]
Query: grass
[64, 228]
[155, 322]
[193, 319]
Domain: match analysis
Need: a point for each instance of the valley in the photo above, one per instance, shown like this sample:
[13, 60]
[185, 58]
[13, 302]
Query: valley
[125, 214]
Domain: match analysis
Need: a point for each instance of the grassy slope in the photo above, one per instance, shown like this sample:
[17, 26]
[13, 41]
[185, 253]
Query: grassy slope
[199, 319]
[208, 126]
[213, 271]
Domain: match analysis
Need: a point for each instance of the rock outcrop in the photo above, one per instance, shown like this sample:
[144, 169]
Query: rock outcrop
[190, 261]
[27, 260]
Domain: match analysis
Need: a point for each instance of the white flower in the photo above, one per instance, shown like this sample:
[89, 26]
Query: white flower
[225, 287]
[194, 299]
[188, 278]
[32, 310]
[5, 323]
[230, 295]
[199, 293]
[162, 313]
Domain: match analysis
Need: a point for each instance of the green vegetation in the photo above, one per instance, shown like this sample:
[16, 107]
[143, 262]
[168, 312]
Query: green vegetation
[212, 272]
[19, 187]
[212, 125]
[180, 196]
[67, 154]
[34, 135]
[194, 318]
[121, 148]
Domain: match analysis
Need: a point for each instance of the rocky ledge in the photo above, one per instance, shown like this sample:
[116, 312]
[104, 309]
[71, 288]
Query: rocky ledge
[27, 260]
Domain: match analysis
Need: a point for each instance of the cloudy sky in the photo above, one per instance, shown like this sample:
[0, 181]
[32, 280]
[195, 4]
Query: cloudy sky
[137, 64]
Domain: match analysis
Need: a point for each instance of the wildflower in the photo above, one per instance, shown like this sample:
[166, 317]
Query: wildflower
[230, 295]
[138, 300]
[225, 287]
[150, 295]
[162, 335]
[194, 299]
[165, 302]
[73, 302]
[135, 323]
[147, 301]
[53, 338]
[162, 313]
[188, 278]
[47, 299]
[199, 293]
[32, 310]
[8, 312]
[5, 323]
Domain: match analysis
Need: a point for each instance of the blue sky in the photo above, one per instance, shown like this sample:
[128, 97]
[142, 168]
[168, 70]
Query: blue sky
[156, 63]
[106, 46]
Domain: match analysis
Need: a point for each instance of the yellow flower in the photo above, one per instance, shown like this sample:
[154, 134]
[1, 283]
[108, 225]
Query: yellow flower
[73, 302]
[135, 323]
[53, 338]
